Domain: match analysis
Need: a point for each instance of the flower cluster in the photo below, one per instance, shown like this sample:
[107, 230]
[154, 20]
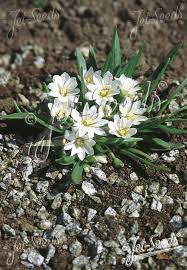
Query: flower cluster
[111, 106]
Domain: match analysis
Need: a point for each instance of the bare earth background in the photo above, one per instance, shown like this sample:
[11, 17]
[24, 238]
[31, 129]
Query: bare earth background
[70, 24]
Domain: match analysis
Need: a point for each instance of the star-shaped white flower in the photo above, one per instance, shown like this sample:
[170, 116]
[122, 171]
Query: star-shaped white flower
[121, 127]
[102, 89]
[132, 111]
[89, 122]
[64, 87]
[59, 109]
[80, 145]
[88, 75]
[128, 87]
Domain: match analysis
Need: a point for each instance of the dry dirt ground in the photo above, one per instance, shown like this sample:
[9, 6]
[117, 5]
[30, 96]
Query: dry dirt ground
[58, 28]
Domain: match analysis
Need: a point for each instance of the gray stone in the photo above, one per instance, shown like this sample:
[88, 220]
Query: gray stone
[57, 202]
[98, 173]
[174, 178]
[59, 233]
[35, 258]
[80, 261]
[50, 253]
[76, 248]
[42, 186]
[91, 213]
[88, 188]
[9, 232]
[134, 176]
[156, 205]
[154, 187]
[110, 212]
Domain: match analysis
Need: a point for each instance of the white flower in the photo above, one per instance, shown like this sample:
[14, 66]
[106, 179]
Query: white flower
[88, 75]
[80, 145]
[64, 87]
[132, 111]
[121, 127]
[59, 109]
[89, 122]
[128, 87]
[103, 89]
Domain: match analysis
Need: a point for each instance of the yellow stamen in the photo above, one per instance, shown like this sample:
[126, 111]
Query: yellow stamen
[79, 142]
[88, 79]
[130, 116]
[87, 122]
[63, 91]
[104, 92]
[123, 132]
[60, 114]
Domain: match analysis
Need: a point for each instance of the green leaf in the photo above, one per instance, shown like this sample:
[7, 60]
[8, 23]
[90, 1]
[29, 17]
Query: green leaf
[173, 96]
[114, 57]
[117, 141]
[172, 130]
[45, 88]
[16, 107]
[81, 63]
[29, 117]
[156, 76]
[66, 160]
[167, 145]
[92, 62]
[140, 153]
[143, 161]
[129, 69]
[99, 149]
[77, 172]
[83, 89]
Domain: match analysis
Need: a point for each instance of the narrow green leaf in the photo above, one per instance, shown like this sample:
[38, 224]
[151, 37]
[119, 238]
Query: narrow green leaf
[92, 62]
[140, 153]
[29, 117]
[172, 130]
[167, 145]
[45, 88]
[114, 140]
[83, 89]
[173, 96]
[143, 161]
[77, 172]
[81, 63]
[129, 69]
[113, 60]
[16, 107]
[156, 76]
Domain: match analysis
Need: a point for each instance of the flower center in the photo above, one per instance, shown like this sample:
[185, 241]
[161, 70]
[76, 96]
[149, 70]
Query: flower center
[123, 132]
[63, 91]
[79, 142]
[88, 79]
[60, 114]
[130, 116]
[87, 122]
[104, 92]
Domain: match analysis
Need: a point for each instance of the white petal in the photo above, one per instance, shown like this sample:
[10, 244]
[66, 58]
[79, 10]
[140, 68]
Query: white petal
[81, 153]
[65, 76]
[86, 110]
[108, 77]
[75, 115]
[58, 80]
[71, 83]
[89, 96]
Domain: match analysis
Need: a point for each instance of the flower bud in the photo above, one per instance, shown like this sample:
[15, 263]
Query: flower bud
[117, 163]
[101, 159]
